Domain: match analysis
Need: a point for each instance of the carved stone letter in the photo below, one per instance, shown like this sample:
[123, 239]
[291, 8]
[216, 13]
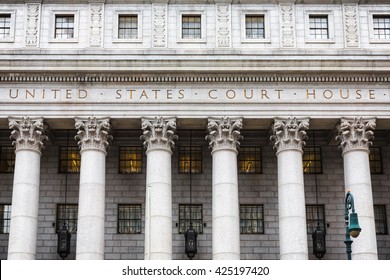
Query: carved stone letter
[224, 133]
[93, 133]
[159, 133]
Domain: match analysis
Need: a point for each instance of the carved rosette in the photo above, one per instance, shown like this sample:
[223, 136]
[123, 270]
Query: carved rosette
[224, 133]
[223, 25]
[351, 25]
[32, 24]
[355, 134]
[159, 133]
[96, 24]
[28, 133]
[287, 25]
[289, 134]
[159, 25]
[93, 133]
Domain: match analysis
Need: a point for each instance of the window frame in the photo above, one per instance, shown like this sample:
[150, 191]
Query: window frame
[191, 152]
[372, 160]
[331, 34]
[309, 221]
[117, 15]
[371, 15]
[267, 26]
[68, 159]
[262, 231]
[383, 219]
[68, 219]
[315, 160]
[53, 27]
[5, 225]
[186, 222]
[255, 160]
[5, 159]
[11, 37]
[139, 150]
[136, 220]
[203, 26]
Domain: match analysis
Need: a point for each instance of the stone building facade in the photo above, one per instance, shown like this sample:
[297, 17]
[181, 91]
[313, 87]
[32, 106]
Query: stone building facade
[129, 120]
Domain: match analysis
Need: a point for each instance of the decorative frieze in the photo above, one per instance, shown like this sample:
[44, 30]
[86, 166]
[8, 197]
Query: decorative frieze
[223, 25]
[350, 12]
[224, 133]
[33, 11]
[93, 133]
[289, 134]
[159, 25]
[96, 24]
[159, 133]
[287, 25]
[355, 133]
[27, 133]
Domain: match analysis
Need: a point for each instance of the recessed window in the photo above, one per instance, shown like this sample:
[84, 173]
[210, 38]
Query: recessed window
[69, 159]
[129, 218]
[127, 27]
[7, 159]
[318, 27]
[375, 160]
[190, 213]
[315, 214]
[5, 218]
[191, 27]
[5, 25]
[381, 26]
[380, 219]
[190, 159]
[130, 160]
[254, 26]
[249, 160]
[312, 160]
[251, 219]
[64, 27]
[67, 213]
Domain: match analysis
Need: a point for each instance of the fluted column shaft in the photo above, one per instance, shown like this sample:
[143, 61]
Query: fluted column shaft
[28, 141]
[289, 136]
[224, 136]
[355, 137]
[93, 141]
[158, 137]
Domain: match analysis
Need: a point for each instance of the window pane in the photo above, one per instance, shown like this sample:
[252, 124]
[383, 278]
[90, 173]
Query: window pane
[249, 160]
[380, 219]
[190, 159]
[251, 219]
[190, 214]
[64, 26]
[129, 218]
[375, 160]
[315, 214]
[191, 27]
[70, 159]
[130, 160]
[128, 27]
[7, 159]
[5, 218]
[254, 26]
[312, 160]
[67, 213]
[381, 24]
[5, 25]
[318, 27]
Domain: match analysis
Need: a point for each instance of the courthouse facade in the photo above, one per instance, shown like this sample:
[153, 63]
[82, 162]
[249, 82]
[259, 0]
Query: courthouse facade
[127, 121]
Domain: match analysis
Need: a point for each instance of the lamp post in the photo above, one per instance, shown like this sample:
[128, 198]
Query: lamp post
[352, 227]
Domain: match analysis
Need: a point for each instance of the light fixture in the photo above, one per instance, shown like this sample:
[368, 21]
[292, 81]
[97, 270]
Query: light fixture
[352, 227]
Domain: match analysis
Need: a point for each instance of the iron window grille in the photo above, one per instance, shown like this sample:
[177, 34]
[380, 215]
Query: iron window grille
[130, 160]
[5, 25]
[312, 160]
[315, 214]
[251, 219]
[318, 27]
[191, 27]
[190, 213]
[381, 26]
[64, 27]
[127, 27]
[254, 27]
[7, 159]
[375, 160]
[129, 218]
[67, 213]
[190, 159]
[380, 219]
[5, 218]
[70, 159]
[249, 160]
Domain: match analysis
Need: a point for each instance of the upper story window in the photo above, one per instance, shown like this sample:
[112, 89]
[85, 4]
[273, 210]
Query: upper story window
[127, 26]
[64, 27]
[70, 160]
[5, 218]
[190, 159]
[251, 219]
[5, 25]
[318, 27]
[190, 213]
[254, 26]
[129, 218]
[7, 159]
[130, 160]
[381, 26]
[375, 160]
[191, 26]
[67, 214]
[380, 219]
[312, 160]
[315, 214]
[249, 160]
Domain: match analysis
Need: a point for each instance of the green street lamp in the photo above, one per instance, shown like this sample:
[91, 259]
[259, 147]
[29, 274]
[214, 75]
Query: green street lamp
[352, 227]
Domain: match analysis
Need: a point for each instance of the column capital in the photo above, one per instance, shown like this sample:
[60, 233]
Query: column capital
[93, 133]
[289, 133]
[159, 133]
[355, 134]
[224, 133]
[27, 133]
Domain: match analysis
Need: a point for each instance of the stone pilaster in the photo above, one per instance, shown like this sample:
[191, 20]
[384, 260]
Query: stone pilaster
[28, 136]
[224, 135]
[93, 136]
[223, 25]
[289, 137]
[287, 23]
[351, 25]
[96, 18]
[33, 14]
[160, 25]
[355, 136]
[158, 137]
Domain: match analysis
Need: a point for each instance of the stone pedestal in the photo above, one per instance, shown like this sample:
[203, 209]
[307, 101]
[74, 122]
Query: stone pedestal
[28, 141]
[224, 136]
[289, 135]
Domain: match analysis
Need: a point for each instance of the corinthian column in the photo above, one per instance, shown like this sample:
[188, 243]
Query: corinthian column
[355, 136]
[289, 138]
[224, 136]
[28, 137]
[158, 137]
[93, 137]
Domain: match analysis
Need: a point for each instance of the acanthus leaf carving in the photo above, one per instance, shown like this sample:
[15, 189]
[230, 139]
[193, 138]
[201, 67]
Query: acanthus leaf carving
[159, 133]
[351, 25]
[96, 25]
[224, 133]
[93, 133]
[32, 24]
[159, 25]
[287, 25]
[223, 25]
